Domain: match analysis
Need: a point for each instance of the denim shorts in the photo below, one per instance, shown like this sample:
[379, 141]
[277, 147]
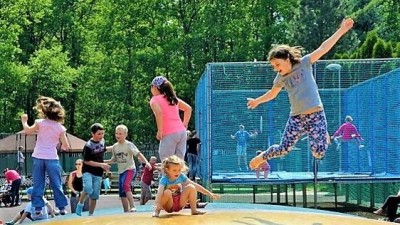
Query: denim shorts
[91, 185]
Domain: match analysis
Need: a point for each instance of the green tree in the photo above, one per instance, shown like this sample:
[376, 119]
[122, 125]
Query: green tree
[317, 20]
[396, 52]
[367, 47]
[380, 50]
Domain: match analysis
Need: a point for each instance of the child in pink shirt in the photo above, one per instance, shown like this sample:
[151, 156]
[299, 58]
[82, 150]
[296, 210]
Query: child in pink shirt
[14, 179]
[347, 132]
[171, 130]
[49, 131]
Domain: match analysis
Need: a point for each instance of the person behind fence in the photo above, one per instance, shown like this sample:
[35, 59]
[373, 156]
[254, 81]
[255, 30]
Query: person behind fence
[50, 132]
[122, 153]
[242, 137]
[20, 160]
[30, 212]
[13, 179]
[175, 189]
[345, 135]
[146, 179]
[389, 208]
[193, 148]
[171, 130]
[75, 185]
[263, 167]
[307, 114]
[106, 182]
[93, 168]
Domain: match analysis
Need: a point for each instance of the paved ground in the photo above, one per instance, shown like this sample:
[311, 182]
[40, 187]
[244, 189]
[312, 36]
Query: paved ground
[105, 202]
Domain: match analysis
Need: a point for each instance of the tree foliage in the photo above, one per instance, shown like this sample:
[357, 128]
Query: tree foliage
[99, 57]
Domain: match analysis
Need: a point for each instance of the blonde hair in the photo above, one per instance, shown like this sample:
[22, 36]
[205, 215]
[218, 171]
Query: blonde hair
[48, 108]
[175, 160]
[122, 127]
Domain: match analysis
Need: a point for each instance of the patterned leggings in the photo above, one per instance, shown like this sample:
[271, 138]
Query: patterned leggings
[313, 125]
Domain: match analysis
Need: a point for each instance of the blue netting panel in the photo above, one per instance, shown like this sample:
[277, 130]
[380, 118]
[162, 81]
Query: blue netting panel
[202, 123]
[367, 90]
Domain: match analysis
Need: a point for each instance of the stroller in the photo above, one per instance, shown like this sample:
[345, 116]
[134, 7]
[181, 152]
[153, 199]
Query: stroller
[5, 195]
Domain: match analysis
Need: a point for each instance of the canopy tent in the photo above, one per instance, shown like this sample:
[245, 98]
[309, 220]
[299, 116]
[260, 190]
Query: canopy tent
[28, 141]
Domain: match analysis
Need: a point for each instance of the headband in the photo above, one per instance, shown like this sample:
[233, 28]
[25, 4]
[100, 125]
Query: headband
[158, 81]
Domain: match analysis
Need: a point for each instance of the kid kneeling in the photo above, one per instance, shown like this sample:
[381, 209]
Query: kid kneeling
[175, 189]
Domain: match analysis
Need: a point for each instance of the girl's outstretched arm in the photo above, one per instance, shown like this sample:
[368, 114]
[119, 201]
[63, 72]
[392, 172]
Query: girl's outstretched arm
[204, 191]
[345, 26]
[268, 96]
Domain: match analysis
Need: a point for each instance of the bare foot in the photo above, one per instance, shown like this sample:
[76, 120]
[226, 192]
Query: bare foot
[257, 161]
[156, 214]
[328, 139]
[198, 212]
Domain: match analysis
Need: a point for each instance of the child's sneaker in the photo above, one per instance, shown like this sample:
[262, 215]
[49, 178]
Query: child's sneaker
[63, 212]
[79, 208]
[9, 223]
[133, 209]
[380, 212]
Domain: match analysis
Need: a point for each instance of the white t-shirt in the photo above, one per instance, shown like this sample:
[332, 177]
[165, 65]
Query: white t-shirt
[123, 155]
[30, 209]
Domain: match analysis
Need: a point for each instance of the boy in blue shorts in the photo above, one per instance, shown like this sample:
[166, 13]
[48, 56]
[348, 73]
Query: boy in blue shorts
[93, 168]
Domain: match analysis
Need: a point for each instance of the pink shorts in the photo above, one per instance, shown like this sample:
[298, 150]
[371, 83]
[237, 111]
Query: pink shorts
[176, 204]
[264, 167]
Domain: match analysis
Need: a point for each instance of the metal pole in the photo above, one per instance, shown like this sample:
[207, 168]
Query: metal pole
[340, 98]
[340, 119]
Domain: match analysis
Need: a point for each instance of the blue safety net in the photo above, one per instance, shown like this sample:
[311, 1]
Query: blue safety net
[366, 90]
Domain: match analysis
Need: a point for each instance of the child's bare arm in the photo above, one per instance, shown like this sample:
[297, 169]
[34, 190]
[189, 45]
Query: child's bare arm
[204, 191]
[50, 208]
[144, 160]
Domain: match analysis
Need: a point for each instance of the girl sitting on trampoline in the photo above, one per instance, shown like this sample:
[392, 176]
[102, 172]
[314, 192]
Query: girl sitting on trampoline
[307, 114]
[175, 189]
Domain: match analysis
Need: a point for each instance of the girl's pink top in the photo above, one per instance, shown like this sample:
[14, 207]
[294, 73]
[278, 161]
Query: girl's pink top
[172, 123]
[48, 137]
[12, 175]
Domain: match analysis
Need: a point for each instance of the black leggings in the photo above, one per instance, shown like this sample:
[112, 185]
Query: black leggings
[28, 215]
[15, 191]
[390, 206]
